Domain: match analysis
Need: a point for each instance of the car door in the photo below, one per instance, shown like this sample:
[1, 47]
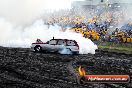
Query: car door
[52, 45]
[61, 44]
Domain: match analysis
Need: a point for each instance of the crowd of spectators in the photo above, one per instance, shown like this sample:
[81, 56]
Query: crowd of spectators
[103, 21]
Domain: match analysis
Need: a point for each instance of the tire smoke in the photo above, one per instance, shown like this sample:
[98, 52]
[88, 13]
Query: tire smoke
[13, 36]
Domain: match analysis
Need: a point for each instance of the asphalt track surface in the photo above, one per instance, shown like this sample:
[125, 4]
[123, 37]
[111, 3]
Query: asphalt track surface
[21, 68]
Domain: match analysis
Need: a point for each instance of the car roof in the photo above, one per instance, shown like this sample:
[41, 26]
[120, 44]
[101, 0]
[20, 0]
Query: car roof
[63, 39]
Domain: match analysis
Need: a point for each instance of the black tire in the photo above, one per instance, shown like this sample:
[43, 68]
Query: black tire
[38, 48]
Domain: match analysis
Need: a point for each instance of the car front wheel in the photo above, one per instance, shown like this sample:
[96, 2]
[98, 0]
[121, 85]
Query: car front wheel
[38, 48]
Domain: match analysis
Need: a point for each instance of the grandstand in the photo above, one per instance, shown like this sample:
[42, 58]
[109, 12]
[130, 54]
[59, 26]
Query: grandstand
[94, 3]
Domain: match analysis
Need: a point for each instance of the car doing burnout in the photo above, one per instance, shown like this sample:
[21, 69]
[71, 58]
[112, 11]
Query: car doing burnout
[56, 45]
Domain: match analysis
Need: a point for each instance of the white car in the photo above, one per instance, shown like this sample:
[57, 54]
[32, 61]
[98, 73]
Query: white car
[56, 45]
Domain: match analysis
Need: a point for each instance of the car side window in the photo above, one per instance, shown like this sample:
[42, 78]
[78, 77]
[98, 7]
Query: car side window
[52, 42]
[70, 43]
[61, 42]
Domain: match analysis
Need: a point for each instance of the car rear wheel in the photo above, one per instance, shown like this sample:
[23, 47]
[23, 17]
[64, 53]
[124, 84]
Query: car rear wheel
[38, 48]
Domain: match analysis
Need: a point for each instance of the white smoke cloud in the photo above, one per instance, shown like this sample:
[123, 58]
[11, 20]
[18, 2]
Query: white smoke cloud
[26, 11]
[16, 13]
[21, 11]
[39, 30]
[18, 37]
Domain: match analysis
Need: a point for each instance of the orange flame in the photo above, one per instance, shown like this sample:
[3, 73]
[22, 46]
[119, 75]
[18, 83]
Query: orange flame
[81, 71]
